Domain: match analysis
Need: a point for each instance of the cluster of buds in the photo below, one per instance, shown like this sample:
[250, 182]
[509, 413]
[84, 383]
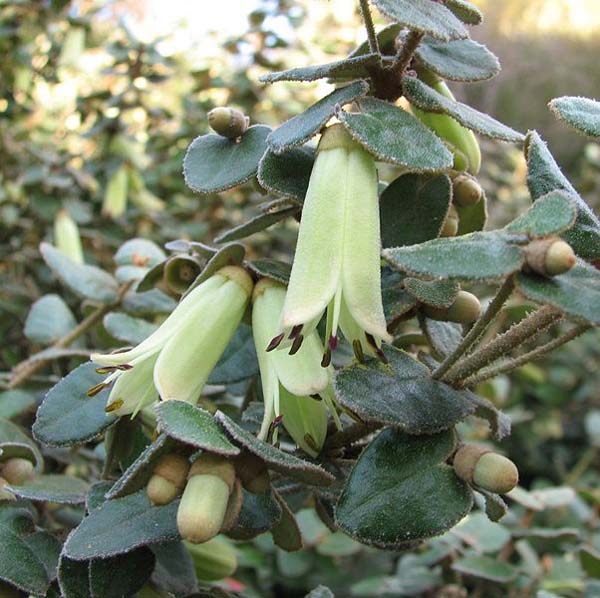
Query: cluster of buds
[14, 471]
[483, 468]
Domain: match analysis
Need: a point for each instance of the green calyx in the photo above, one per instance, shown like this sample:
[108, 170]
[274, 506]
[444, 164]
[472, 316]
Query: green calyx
[482, 467]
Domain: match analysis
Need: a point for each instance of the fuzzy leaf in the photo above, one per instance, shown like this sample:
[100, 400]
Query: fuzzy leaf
[458, 60]
[465, 11]
[67, 415]
[443, 337]
[15, 443]
[401, 393]
[89, 282]
[48, 320]
[299, 129]
[174, 571]
[62, 489]
[270, 268]
[47, 549]
[433, 292]
[127, 328]
[214, 163]
[486, 567]
[551, 214]
[423, 16]
[576, 293]
[14, 402]
[389, 132]
[286, 533]
[413, 209]
[139, 252]
[256, 224]
[397, 301]
[260, 512]
[288, 173]
[581, 113]
[428, 99]
[400, 491]
[73, 578]
[238, 361]
[122, 575]
[477, 256]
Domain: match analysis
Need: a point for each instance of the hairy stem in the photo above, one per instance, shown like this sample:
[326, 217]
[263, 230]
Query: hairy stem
[367, 18]
[406, 52]
[478, 328]
[516, 362]
[536, 322]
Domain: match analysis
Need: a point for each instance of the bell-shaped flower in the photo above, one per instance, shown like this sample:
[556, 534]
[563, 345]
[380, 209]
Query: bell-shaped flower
[337, 262]
[297, 390]
[174, 362]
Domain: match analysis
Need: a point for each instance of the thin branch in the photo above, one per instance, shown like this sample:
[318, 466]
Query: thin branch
[516, 362]
[406, 52]
[478, 328]
[367, 18]
[536, 322]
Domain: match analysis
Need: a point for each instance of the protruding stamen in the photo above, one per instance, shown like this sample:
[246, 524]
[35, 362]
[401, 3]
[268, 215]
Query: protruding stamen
[316, 397]
[277, 422]
[123, 367]
[333, 342]
[380, 354]
[275, 342]
[326, 358]
[358, 350]
[296, 330]
[106, 370]
[92, 392]
[296, 345]
[114, 406]
[382, 357]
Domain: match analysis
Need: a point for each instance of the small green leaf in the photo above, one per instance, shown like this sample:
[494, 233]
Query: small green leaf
[473, 218]
[543, 176]
[86, 281]
[426, 98]
[214, 163]
[62, 489]
[401, 393]
[14, 402]
[139, 523]
[495, 507]
[397, 301]
[238, 361]
[581, 113]
[458, 60]
[257, 224]
[423, 16]
[443, 337]
[174, 571]
[413, 208]
[438, 293]
[476, 256]
[465, 11]
[480, 533]
[195, 426]
[288, 173]
[486, 567]
[128, 329]
[389, 133]
[576, 293]
[400, 491]
[286, 533]
[299, 129]
[270, 268]
[551, 214]
[67, 415]
[48, 320]
[122, 575]
[284, 463]
[139, 252]
[354, 68]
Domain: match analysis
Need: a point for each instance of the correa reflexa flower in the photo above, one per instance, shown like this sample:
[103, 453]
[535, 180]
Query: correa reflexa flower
[337, 262]
[175, 361]
[297, 390]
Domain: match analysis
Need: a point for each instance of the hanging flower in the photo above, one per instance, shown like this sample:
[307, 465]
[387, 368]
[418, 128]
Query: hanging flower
[175, 361]
[297, 390]
[337, 263]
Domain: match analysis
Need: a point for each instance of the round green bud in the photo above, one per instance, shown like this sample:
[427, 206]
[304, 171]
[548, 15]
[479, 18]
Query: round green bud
[465, 309]
[16, 471]
[549, 257]
[466, 191]
[450, 226]
[228, 122]
[482, 467]
[168, 479]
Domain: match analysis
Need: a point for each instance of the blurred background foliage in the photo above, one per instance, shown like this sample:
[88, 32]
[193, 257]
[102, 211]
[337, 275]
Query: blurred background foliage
[93, 105]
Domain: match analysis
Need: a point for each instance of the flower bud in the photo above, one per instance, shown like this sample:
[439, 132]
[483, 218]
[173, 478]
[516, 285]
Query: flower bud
[214, 559]
[466, 191]
[465, 309]
[168, 479]
[180, 271]
[115, 195]
[5, 494]
[550, 257]
[480, 466]
[228, 122]
[17, 470]
[66, 236]
[204, 502]
[450, 226]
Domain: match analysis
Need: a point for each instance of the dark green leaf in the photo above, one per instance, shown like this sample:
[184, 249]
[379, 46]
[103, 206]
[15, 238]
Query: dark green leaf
[260, 512]
[551, 214]
[413, 209]
[193, 425]
[299, 129]
[68, 416]
[397, 301]
[426, 98]
[269, 268]
[86, 281]
[287, 174]
[543, 176]
[424, 16]
[495, 507]
[238, 361]
[14, 402]
[476, 256]
[73, 578]
[48, 320]
[465, 11]
[486, 567]
[443, 337]
[57, 488]
[401, 393]
[581, 113]
[284, 463]
[127, 328]
[174, 571]
[458, 60]
[400, 491]
[139, 523]
[256, 224]
[576, 293]
[590, 561]
[97, 495]
[389, 132]
[438, 293]
[47, 549]
[214, 163]
[286, 533]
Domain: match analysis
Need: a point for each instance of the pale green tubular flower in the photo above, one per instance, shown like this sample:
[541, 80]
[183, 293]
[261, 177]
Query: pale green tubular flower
[337, 263]
[297, 390]
[175, 361]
